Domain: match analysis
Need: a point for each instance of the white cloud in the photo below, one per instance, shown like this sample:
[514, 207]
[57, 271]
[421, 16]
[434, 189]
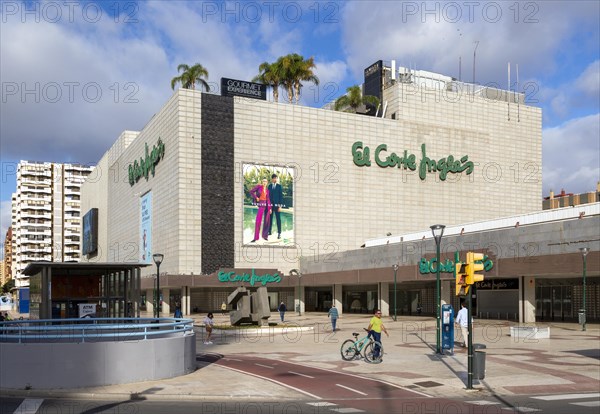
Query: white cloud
[435, 41]
[570, 156]
[589, 81]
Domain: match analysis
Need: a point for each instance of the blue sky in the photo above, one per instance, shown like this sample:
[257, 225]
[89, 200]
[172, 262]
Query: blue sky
[76, 74]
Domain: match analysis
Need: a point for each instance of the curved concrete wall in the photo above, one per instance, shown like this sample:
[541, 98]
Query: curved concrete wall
[69, 365]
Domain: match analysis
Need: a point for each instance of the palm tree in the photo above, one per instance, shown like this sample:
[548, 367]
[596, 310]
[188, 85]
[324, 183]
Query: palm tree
[353, 99]
[296, 69]
[190, 75]
[270, 74]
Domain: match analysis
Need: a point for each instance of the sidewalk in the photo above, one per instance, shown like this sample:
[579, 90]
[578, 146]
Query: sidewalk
[568, 361]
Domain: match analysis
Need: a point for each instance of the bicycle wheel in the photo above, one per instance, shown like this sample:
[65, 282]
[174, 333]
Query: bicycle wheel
[348, 350]
[370, 350]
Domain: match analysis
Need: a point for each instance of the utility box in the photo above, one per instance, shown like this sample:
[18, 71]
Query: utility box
[447, 328]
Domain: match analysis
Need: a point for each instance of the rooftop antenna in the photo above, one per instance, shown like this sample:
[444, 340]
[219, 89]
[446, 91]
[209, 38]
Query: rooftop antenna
[517, 89]
[474, 56]
[508, 93]
[459, 67]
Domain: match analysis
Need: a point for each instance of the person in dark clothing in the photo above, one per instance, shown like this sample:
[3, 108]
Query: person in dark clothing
[282, 310]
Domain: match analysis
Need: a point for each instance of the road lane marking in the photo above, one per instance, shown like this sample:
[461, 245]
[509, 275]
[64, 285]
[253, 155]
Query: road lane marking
[321, 404]
[566, 396]
[302, 375]
[587, 404]
[351, 389]
[346, 410]
[29, 406]
[521, 410]
[233, 359]
[400, 387]
[264, 366]
[273, 381]
[483, 402]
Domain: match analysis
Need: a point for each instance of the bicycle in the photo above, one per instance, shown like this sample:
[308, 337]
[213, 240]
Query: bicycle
[352, 348]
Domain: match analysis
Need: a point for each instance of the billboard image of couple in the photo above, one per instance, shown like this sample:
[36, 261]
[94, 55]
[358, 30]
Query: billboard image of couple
[268, 205]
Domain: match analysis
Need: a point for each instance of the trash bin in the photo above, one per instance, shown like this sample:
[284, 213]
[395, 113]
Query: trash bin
[479, 361]
[581, 316]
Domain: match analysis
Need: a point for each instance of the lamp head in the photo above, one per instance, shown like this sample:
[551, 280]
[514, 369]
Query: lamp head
[584, 250]
[438, 231]
[395, 266]
[295, 272]
[158, 258]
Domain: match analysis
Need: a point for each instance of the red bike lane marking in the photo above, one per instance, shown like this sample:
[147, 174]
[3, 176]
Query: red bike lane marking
[318, 382]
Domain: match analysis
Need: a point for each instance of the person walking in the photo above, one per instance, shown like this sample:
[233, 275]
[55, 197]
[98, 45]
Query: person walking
[223, 308]
[208, 325]
[462, 320]
[334, 315]
[375, 328]
[178, 313]
[282, 308]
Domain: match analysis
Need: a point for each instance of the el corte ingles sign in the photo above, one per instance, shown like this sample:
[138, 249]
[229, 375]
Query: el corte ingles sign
[361, 155]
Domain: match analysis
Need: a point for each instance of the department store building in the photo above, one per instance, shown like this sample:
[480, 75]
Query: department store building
[437, 151]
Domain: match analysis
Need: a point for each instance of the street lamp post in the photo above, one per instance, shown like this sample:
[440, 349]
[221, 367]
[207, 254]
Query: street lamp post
[296, 272]
[584, 253]
[438, 231]
[158, 258]
[395, 267]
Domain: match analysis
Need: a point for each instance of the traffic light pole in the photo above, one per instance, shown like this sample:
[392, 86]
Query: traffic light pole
[470, 341]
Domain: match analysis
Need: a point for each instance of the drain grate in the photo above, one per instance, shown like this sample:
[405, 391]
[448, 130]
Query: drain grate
[428, 384]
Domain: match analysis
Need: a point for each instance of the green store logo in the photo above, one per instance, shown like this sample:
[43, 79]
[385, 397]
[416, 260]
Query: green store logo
[361, 155]
[251, 278]
[146, 165]
[448, 266]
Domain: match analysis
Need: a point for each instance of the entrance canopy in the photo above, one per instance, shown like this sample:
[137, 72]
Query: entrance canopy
[71, 290]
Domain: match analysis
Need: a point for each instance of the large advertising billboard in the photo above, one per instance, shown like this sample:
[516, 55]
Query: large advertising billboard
[268, 205]
[146, 228]
[90, 232]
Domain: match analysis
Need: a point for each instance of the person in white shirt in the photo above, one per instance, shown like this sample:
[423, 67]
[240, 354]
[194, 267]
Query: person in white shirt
[462, 321]
[208, 325]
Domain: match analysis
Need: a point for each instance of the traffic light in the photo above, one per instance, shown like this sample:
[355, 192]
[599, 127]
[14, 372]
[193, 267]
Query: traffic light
[473, 267]
[460, 275]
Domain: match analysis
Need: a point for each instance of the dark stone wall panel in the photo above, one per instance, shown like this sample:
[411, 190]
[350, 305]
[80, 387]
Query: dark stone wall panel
[217, 183]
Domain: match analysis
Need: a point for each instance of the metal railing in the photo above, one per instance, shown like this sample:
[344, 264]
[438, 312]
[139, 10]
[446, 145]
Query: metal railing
[92, 329]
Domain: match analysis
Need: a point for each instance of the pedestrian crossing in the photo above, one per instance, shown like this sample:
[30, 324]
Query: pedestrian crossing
[526, 405]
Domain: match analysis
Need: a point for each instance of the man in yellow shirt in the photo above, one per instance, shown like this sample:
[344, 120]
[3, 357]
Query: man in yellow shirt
[375, 328]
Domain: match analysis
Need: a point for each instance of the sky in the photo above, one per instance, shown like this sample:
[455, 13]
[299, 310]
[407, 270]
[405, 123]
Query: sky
[74, 75]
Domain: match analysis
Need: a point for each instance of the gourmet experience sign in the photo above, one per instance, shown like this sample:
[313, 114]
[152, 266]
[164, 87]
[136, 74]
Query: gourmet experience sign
[361, 155]
[146, 164]
[234, 87]
[251, 278]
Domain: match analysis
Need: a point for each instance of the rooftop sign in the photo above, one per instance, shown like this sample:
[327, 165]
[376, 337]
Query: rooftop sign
[234, 87]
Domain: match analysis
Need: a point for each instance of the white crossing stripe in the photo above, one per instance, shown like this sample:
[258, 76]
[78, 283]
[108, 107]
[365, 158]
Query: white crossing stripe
[483, 402]
[29, 406]
[302, 375]
[351, 389]
[588, 403]
[347, 410]
[566, 396]
[521, 410]
[265, 366]
[321, 404]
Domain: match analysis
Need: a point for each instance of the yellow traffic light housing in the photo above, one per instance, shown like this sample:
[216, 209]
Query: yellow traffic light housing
[460, 275]
[473, 267]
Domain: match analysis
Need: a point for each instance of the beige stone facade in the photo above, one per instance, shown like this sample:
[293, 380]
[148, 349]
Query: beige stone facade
[337, 204]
